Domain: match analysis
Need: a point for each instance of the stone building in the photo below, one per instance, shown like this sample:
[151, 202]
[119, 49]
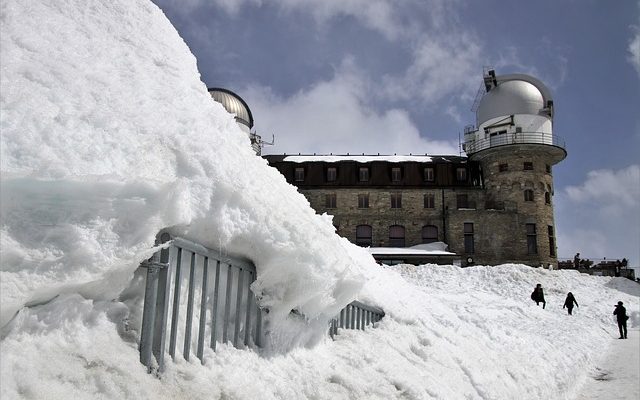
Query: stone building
[493, 206]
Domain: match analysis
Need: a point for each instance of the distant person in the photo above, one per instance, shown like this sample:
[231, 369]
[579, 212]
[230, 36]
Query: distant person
[538, 296]
[621, 315]
[576, 261]
[569, 302]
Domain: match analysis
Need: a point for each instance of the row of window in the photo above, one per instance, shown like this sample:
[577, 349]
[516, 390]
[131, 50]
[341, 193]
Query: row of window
[429, 200]
[330, 200]
[429, 174]
[364, 236]
[526, 166]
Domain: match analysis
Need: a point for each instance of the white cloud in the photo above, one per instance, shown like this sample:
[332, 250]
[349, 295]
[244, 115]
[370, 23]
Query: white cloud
[335, 116]
[444, 64]
[601, 217]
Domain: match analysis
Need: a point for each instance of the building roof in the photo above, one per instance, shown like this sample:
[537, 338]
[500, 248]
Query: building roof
[364, 158]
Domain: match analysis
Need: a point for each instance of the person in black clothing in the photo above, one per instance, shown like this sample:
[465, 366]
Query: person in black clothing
[621, 315]
[568, 303]
[538, 296]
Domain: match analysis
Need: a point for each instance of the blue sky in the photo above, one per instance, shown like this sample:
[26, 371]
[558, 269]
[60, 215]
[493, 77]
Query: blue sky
[401, 76]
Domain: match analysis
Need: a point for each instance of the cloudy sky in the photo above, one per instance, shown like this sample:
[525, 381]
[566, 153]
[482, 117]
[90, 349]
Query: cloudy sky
[401, 76]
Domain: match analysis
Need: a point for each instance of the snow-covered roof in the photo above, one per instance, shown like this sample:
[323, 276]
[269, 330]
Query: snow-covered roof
[431, 249]
[358, 158]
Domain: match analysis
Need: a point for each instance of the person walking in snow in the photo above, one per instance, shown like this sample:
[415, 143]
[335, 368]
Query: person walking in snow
[621, 315]
[568, 303]
[538, 296]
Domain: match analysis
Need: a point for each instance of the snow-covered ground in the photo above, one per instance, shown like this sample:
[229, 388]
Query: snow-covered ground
[108, 135]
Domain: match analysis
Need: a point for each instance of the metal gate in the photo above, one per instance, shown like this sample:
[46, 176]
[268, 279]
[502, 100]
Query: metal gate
[189, 286]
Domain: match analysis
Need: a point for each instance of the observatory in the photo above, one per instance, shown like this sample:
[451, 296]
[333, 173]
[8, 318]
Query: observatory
[235, 105]
[492, 206]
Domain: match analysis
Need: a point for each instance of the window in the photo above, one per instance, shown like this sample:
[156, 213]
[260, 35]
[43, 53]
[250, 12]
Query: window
[396, 174]
[547, 168]
[469, 247]
[396, 200]
[396, 236]
[462, 201]
[429, 234]
[429, 201]
[330, 200]
[299, 174]
[363, 174]
[429, 174]
[363, 235]
[527, 166]
[363, 201]
[552, 241]
[332, 174]
[532, 240]
[461, 174]
[547, 198]
[503, 167]
[528, 195]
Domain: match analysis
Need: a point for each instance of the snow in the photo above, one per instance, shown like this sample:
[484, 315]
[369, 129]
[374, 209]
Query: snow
[436, 248]
[361, 159]
[108, 135]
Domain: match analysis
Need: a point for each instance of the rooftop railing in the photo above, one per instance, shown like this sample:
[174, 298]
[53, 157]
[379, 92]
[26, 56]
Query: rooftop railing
[505, 139]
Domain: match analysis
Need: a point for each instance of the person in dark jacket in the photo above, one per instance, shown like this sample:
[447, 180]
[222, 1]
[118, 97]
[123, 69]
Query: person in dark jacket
[621, 315]
[568, 303]
[538, 296]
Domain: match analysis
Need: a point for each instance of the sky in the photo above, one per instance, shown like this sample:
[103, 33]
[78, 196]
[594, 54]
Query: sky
[338, 76]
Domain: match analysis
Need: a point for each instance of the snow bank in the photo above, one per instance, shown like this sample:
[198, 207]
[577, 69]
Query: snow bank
[108, 136]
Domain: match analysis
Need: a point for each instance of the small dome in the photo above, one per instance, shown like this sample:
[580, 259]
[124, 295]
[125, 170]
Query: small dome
[510, 97]
[233, 104]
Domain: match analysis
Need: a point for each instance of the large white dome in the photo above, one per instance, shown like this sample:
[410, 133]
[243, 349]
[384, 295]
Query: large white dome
[510, 97]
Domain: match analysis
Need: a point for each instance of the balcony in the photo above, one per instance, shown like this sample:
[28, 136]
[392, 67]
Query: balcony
[506, 139]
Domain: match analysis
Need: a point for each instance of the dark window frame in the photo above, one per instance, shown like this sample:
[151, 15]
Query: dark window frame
[332, 174]
[396, 174]
[429, 174]
[364, 238]
[469, 241]
[461, 174]
[330, 200]
[396, 200]
[395, 239]
[429, 201]
[462, 201]
[529, 195]
[429, 234]
[527, 166]
[299, 174]
[547, 198]
[503, 167]
[363, 200]
[364, 174]
[552, 241]
[532, 239]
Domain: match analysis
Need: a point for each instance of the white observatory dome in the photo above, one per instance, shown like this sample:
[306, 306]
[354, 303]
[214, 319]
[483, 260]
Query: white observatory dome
[234, 105]
[508, 98]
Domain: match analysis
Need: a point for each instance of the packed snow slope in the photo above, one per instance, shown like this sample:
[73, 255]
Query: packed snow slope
[108, 135]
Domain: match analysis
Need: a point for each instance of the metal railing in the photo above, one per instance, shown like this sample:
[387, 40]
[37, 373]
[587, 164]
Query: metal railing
[216, 285]
[514, 138]
[355, 315]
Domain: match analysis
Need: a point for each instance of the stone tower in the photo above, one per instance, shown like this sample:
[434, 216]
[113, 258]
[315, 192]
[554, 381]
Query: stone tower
[516, 149]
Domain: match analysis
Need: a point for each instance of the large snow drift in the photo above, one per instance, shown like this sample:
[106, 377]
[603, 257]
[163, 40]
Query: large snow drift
[108, 135]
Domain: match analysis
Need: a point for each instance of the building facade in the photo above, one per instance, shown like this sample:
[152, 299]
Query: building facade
[493, 206]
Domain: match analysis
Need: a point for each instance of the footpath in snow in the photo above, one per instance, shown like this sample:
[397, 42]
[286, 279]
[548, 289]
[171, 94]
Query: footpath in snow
[617, 376]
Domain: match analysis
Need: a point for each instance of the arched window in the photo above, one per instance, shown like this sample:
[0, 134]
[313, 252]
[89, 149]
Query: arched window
[363, 235]
[396, 236]
[429, 234]
[547, 198]
[528, 195]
